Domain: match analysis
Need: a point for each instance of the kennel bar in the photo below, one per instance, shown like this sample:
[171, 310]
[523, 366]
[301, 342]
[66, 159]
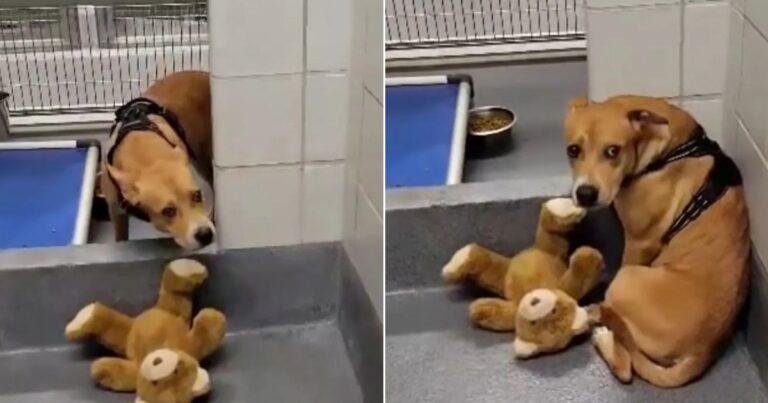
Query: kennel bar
[442, 23]
[60, 57]
[47, 189]
[426, 123]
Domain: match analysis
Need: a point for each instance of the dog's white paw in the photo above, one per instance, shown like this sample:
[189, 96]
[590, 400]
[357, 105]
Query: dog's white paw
[187, 268]
[82, 318]
[452, 270]
[564, 207]
[602, 339]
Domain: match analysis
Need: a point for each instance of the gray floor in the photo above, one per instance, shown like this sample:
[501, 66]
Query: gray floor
[539, 94]
[279, 364]
[435, 355]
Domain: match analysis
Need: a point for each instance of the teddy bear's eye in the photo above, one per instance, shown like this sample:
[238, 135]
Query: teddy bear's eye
[154, 383]
[533, 323]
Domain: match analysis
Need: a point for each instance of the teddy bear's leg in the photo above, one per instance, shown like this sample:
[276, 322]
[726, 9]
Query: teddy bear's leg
[108, 326]
[115, 374]
[494, 314]
[557, 218]
[615, 355]
[180, 278]
[583, 272]
[487, 268]
[206, 334]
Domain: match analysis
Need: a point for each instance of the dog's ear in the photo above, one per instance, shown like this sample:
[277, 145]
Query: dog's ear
[126, 185]
[578, 102]
[653, 135]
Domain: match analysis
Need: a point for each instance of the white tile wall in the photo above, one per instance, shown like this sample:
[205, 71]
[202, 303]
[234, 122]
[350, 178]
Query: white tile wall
[705, 48]
[326, 106]
[757, 12]
[258, 206]
[634, 50]
[256, 37]
[372, 151]
[322, 202]
[733, 77]
[753, 93]
[627, 3]
[363, 200]
[328, 32]
[257, 119]
[709, 114]
[754, 170]
[374, 53]
[367, 251]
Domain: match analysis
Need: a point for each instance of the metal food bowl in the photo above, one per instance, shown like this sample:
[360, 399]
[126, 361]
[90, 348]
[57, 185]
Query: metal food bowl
[483, 143]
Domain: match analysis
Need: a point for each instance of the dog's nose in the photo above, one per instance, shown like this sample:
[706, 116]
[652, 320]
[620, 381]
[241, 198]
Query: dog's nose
[586, 195]
[204, 236]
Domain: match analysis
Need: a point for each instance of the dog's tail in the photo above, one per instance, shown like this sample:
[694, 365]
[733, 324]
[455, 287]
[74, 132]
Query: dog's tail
[682, 371]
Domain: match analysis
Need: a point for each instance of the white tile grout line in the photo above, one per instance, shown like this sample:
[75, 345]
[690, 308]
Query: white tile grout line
[681, 67]
[305, 27]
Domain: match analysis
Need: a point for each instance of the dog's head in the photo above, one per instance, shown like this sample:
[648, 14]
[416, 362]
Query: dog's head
[608, 141]
[167, 192]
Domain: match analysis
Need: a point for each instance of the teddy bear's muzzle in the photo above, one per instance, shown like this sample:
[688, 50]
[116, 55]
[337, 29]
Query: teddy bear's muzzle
[159, 364]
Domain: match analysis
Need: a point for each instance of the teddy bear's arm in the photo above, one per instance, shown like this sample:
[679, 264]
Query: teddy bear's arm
[180, 278]
[115, 374]
[206, 334]
[583, 272]
[557, 218]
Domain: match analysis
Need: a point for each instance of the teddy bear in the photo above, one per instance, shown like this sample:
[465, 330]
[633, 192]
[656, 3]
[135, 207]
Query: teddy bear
[159, 350]
[538, 288]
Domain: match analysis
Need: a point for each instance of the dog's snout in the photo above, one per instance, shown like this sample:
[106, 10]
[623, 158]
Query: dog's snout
[204, 236]
[586, 195]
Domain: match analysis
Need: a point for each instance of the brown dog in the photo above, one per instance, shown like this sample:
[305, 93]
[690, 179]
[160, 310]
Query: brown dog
[676, 296]
[147, 171]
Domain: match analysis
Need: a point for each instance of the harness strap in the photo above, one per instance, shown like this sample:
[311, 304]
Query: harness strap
[723, 175]
[132, 117]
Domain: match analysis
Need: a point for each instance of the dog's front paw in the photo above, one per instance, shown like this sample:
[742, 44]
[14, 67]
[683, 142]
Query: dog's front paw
[564, 211]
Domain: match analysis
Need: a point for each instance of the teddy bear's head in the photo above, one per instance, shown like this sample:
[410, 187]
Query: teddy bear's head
[547, 320]
[170, 376]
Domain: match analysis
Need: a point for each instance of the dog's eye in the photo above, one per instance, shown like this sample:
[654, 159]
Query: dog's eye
[197, 196]
[573, 151]
[169, 212]
[612, 152]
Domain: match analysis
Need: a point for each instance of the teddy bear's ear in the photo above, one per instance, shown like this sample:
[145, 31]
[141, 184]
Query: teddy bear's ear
[580, 321]
[524, 349]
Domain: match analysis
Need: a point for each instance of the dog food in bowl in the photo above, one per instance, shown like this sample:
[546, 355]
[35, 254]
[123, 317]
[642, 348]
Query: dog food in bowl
[488, 123]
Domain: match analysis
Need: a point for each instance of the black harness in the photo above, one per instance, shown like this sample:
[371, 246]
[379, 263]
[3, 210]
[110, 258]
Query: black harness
[723, 175]
[134, 116]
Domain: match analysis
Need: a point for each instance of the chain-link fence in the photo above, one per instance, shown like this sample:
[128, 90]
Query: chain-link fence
[95, 57]
[431, 23]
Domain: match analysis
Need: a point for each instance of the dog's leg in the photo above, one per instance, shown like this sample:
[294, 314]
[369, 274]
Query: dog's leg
[108, 326]
[583, 272]
[557, 218]
[180, 278]
[487, 268]
[493, 314]
[115, 374]
[614, 353]
[206, 334]
[119, 222]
